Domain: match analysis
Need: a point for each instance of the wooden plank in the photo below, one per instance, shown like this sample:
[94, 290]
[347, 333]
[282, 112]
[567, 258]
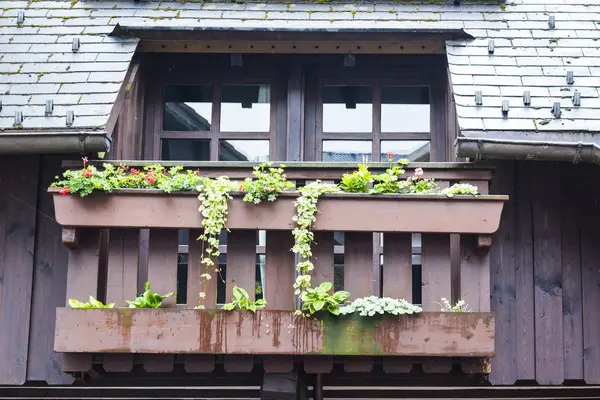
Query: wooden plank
[158, 362]
[397, 365]
[49, 284]
[358, 261]
[117, 362]
[502, 260]
[122, 273]
[549, 362]
[571, 252]
[195, 283]
[268, 332]
[590, 256]
[358, 364]
[387, 213]
[322, 250]
[238, 363]
[82, 282]
[20, 186]
[318, 364]
[397, 266]
[437, 365]
[199, 363]
[241, 262]
[475, 274]
[279, 271]
[162, 263]
[278, 364]
[435, 269]
[524, 321]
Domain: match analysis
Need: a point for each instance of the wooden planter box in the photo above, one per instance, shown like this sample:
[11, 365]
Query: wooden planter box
[139, 208]
[174, 331]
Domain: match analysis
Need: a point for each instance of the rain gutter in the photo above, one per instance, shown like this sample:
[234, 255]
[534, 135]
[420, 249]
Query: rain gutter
[43, 142]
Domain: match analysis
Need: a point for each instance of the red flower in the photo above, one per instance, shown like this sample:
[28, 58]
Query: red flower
[134, 171]
[87, 172]
[150, 178]
[64, 191]
[85, 160]
[197, 172]
[390, 155]
[241, 187]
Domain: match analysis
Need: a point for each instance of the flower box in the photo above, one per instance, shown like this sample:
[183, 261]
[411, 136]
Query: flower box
[176, 331]
[343, 212]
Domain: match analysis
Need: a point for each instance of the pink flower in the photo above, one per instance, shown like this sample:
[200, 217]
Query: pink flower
[419, 171]
[390, 156]
[85, 160]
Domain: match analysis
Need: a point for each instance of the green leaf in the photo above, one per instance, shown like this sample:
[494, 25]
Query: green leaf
[335, 310]
[325, 286]
[75, 303]
[318, 305]
[166, 296]
[146, 286]
[238, 293]
[228, 306]
[341, 296]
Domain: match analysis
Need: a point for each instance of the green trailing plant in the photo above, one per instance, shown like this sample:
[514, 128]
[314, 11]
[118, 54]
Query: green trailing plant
[269, 183]
[460, 306]
[373, 305]
[320, 298]
[460, 188]
[241, 301]
[91, 303]
[148, 299]
[214, 197]
[306, 208]
[358, 181]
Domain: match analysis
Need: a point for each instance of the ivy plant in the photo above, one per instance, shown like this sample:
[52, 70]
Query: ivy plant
[214, 196]
[372, 305]
[269, 183]
[306, 208]
[148, 299]
[241, 301]
[460, 188]
[91, 303]
[319, 298]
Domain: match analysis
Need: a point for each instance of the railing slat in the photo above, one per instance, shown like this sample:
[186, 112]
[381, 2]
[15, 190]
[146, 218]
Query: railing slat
[162, 263]
[196, 284]
[241, 262]
[279, 271]
[201, 363]
[322, 250]
[397, 265]
[475, 274]
[82, 281]
[358, 259]
[435, 270]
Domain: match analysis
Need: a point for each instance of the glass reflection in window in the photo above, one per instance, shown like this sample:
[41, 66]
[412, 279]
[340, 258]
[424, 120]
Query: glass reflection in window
[405, 109]
[187, 108]
[354, 151]
[244, 150]
[414, 150]
[347, 109]
[246, 108]
[185, 149]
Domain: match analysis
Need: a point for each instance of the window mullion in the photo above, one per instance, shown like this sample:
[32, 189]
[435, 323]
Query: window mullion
[376, 123]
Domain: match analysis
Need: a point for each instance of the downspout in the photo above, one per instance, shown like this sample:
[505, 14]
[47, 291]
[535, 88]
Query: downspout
[53, 142]
[482, 148]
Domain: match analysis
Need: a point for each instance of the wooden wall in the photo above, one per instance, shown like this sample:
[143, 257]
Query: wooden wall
[545, 273]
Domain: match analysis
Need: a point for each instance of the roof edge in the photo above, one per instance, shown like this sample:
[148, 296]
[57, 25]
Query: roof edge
[54, 142]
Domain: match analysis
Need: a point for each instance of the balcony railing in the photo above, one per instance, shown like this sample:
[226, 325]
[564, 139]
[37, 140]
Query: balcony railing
[117, 241]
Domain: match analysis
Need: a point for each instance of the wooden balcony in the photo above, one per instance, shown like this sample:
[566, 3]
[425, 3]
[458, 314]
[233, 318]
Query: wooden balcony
[117, 241]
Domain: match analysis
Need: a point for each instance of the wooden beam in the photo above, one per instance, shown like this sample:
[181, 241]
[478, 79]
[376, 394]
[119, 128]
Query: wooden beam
[130, 79]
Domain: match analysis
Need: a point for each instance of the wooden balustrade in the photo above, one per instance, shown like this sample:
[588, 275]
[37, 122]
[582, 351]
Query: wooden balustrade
[454, 264]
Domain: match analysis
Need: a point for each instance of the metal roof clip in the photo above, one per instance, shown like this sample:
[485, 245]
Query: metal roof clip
[70, 117]
[76, 44]
[20, 17]
[527, 98]
[570, 78]
[505, 107]
[491, 46]
[556, 109]
[236, 60]
[349, 60]
[478, 97]
[577, 98]
[49, 107]
[552, 22]
[18, 118]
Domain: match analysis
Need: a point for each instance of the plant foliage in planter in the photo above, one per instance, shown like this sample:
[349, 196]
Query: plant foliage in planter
[148, 299]
[91, 303]
[319, 298]
[241, 301]
[373, 305]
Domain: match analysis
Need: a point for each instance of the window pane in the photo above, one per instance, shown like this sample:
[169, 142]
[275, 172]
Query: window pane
[405, 109]
[414, 150]
[347, 109]
[187, 108]
[246, 108]
[185, 150]
[244, 150]
[346, 150]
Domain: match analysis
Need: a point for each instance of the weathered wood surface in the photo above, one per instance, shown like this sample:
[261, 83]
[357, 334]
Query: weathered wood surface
[271, 332]
[387, 213]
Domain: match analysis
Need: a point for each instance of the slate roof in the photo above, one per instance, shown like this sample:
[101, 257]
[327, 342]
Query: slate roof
[37, 62]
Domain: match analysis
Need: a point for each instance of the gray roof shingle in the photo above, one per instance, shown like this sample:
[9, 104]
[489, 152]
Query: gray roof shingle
[37, 62]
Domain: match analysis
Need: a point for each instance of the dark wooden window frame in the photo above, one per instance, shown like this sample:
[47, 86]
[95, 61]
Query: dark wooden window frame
[217, 79]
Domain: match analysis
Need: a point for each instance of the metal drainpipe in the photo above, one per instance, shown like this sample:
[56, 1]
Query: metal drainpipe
[479, 148]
